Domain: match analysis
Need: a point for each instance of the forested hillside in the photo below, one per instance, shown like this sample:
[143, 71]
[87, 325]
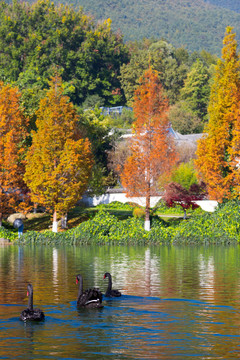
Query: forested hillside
[195, 24]
[227, 4]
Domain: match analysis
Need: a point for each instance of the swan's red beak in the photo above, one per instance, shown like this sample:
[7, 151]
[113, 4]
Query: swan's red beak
[76, 280]
[27, 293]
[104, 276]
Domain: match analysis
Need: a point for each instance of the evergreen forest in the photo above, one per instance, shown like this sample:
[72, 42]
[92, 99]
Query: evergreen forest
[226, 4]
[193, 24]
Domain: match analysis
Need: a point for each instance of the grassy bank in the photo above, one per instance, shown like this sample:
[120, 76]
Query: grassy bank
[115, 224]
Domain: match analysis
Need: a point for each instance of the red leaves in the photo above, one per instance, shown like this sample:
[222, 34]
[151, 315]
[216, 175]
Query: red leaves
[176, 194]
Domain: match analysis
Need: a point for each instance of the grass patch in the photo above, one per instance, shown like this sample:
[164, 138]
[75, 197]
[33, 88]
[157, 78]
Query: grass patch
[43, 221]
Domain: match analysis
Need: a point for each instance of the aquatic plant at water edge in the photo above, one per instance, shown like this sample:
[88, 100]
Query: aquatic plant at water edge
[222, 226]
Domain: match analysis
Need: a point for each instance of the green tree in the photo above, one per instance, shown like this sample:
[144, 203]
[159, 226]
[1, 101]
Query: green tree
[185, 175]
[37, 38]
[183, 119]
[59, 161]
[97, 128]
[164, 58]
[196, 90]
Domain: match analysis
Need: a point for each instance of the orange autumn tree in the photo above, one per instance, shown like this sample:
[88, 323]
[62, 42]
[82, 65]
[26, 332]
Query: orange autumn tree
[217, 149]
[13, 133]
[152, 147]
[234, 152]
[59, 162]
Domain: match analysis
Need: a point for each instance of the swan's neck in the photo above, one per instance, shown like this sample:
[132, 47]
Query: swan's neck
[30, 300]
[109, 283]
[80, 287]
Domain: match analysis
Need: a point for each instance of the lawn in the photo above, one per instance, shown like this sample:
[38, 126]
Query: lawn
[43, 221]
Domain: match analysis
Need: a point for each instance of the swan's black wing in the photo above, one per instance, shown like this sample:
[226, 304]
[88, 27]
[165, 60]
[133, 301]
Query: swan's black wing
[33, 315]
[96, 294]
[90, 298]
[113, 293]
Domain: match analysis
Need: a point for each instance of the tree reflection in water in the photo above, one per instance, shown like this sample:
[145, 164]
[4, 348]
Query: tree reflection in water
[177, 302]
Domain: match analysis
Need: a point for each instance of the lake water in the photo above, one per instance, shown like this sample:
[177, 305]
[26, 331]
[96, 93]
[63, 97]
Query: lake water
[177, 303]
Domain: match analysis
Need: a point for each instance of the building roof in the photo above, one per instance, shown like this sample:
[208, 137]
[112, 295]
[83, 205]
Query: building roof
[176, 135]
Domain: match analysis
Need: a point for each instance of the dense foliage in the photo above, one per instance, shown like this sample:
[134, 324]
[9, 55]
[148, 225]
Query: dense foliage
[227, 4]
[185, 175]
[222, 226]
[59, 161]
[171, 63]
[185, 79]
[36, 39]
[13, 134]
[218, 151]
[195, 24]
[176, 194]
[152, 150]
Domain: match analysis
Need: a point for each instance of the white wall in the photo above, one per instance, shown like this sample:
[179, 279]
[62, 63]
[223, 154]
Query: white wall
[121, 197]
[206, 205]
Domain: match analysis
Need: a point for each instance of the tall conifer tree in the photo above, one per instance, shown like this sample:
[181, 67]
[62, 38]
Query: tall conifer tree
[59, 161]
[153, 151]
[13, 133]
[214, 149]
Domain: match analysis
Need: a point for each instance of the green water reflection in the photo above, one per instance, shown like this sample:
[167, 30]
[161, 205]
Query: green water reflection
[177, 302]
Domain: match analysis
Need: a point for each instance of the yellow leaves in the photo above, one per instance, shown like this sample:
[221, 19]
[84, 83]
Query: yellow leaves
[59, 162]
[108, 23]
[213, 154]
[97, 33]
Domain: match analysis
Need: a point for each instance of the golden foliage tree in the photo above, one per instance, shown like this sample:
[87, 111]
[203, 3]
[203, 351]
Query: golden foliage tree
[59, 162]
[216, 150]
[234, 152]
[13, 132]
[152, 147]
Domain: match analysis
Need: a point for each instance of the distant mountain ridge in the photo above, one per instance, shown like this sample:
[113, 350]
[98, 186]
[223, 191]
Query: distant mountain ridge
[194, 24]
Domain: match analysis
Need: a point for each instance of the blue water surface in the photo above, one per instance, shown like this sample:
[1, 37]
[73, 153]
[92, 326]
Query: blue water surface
[175, 304]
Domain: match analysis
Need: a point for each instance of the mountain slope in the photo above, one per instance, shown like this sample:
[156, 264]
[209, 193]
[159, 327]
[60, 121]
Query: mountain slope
[195, 24]
[233, 5]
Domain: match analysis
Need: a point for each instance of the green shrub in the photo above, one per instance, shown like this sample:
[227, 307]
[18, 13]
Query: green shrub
[139, 213]
[222, 226]
[115, 205]
[162, 208]
[7, 234]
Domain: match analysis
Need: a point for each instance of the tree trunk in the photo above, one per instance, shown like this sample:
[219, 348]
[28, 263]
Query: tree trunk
[55, 224]
[147, 213]
[64, 221]
[1, 216]
[35, 205]
[185, 214]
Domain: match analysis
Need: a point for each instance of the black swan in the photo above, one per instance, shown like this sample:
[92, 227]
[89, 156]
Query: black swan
[110, 292]
[90, 298]
[30, 313]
